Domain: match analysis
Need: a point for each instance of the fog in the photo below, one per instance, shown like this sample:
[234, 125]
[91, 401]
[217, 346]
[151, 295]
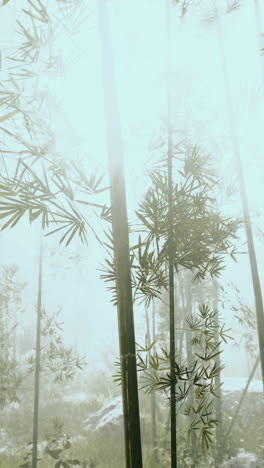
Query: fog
[157, 51]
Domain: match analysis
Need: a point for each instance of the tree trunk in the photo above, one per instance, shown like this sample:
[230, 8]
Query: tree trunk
[187, 308]
[218, 400]
[171, 262]
[150, 339]
[153, 401]
[244, 203]
[37, 363]
[171, 304]
[121, 248]
[3, 350]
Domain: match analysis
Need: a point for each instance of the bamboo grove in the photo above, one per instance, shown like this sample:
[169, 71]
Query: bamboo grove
[165, 259]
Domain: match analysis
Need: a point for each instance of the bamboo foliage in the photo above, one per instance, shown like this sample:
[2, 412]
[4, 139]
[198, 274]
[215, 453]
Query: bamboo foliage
[11, 375]
[38, 182]
[154, 214]
[40, 198]
[214, 16]
[201, 250]
[179, 227]
[52, 358]
[198, 377]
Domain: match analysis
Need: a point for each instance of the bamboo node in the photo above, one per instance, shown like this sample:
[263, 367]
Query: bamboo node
[125, 356]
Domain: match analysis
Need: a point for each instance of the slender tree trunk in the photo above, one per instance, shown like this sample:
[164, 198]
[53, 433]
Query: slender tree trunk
[240, 403]
[171, 262]
[172, 306]
[15, 336]
[153, 400]
[3, 350]
[218, 400]
[121, 248]
[150, 339]
[187, 307]
[37, 364]
[245, 208]
[191, 399]
[147, 327]
[181, 336]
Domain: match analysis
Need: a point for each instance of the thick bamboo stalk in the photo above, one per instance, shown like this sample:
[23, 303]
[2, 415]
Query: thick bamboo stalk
[172, 367]
[37, 364]
[121, 248]
[171, 308]
[244, 203]
[171, 261]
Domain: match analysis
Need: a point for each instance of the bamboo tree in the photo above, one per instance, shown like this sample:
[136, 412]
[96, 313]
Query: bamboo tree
[180, 323]
[37, 364]
[121, 248]
[153, 398]
[199, 249]
[187, 305]
[244, 203]
[218, 400]
[149, 341]
[173, 427]
[171, 309]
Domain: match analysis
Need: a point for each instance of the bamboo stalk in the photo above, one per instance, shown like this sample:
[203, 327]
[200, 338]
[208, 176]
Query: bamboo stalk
[171, 309]
[244, 203]
[181, 332]
[218, 400]
[153, 399]
[241, 401]
[153, 395]
[37, 363]
[121, 248]
[173, 427]
[187, 308]
[3, 347]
